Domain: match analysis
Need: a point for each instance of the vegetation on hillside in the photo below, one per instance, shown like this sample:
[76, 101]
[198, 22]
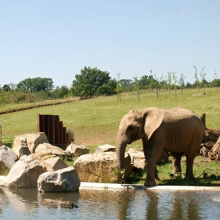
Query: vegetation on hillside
[95, 82]
[95, 121]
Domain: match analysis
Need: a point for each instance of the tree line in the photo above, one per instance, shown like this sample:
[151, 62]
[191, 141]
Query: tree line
[95, 82]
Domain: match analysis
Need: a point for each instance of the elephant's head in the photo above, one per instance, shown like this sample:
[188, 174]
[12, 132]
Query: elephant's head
[134, 126]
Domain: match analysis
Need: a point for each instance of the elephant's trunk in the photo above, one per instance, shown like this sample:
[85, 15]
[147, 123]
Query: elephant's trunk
[120, 152]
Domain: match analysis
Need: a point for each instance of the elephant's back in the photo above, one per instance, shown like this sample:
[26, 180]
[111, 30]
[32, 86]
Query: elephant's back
[179, 113]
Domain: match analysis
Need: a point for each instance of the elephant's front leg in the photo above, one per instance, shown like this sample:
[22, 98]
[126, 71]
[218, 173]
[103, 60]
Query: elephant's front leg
[152, 158]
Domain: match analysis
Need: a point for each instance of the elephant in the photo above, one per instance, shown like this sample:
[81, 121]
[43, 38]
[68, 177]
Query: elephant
[177, 130]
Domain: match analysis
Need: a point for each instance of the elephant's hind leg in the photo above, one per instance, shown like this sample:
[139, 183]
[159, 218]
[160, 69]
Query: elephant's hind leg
[189, 167]
[176, 162]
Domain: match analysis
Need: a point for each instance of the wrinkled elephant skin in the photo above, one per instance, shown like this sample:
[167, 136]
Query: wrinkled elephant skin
[176, 130]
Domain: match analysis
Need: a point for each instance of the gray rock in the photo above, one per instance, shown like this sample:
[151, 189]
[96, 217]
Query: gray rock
[105, 148]
[7, 158]
[54, 164]
[24, 173]
[31, 140]
[101, 167]
[76, 150]
[64, 180]
[46, 150]
[137, 158]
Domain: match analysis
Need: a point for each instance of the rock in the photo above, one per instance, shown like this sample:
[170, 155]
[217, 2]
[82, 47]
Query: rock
[212, 135]
[101, 167]
[24, 150]
[7, 158]
[64, 180]
[76, 150]
[30, 140]
[209, 144]
[54, 164]
[56, 204]
[24, 173]
[45, 151]
[204, 151]
[137, 158]
[105, 148]
[2, 179]
[214, 153]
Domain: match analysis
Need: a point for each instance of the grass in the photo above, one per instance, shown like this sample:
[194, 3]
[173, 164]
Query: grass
[206, 173]
[95, 121]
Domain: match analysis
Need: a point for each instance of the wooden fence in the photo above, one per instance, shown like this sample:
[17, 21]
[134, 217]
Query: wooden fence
[52, 126]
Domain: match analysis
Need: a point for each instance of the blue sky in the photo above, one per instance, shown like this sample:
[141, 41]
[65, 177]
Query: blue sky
[57, 38]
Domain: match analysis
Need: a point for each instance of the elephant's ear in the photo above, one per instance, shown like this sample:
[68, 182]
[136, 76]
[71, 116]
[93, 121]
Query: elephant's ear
[153, 119]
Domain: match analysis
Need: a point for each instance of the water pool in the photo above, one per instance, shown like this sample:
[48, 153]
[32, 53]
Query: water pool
[109, 204]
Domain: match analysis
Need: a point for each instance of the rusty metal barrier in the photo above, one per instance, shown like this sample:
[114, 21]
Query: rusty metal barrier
[53, 128]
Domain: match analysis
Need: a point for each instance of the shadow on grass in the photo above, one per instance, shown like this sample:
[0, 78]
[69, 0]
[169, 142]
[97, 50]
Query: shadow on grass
[138, 177]
[191, 182]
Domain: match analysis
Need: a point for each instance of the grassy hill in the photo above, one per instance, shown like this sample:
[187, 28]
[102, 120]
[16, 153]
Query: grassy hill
[95, 121]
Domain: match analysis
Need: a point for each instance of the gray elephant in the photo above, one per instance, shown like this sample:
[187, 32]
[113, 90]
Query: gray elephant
[176, 130]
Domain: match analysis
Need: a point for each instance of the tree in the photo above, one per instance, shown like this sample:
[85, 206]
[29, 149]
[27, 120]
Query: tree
[203, 81]
[126, 85]
[137, 87]
[90, 82]
[118, 87]
[6, 88]
[61, 92]
[174, 77]
[157, 84]
[36, 85]
[196, 78]
[169, 81]
[215, 81]
[181, 82]
[108, 89]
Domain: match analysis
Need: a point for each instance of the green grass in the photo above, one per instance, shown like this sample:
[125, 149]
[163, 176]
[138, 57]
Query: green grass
[206, 173]
[95, 121]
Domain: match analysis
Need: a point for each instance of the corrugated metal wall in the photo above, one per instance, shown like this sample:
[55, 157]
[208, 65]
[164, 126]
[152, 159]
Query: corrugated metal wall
[52, 126]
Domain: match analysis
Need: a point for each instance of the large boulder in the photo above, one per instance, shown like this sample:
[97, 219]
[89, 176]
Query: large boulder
[75, 150]
[24, 173]
[137, 158]
[101, 167]
[45, 151]
[105, 148]
[7, 158]
[54, 164]
[64, 180]
[214, 153]
[31, 140]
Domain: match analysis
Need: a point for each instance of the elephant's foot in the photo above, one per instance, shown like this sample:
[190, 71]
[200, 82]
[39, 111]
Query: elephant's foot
[150, 182]
[189, 176]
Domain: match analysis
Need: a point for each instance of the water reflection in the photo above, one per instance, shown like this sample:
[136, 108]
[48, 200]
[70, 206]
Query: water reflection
[133, 204]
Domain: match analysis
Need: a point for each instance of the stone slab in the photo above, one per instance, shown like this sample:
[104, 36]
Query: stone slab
[112, 186]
